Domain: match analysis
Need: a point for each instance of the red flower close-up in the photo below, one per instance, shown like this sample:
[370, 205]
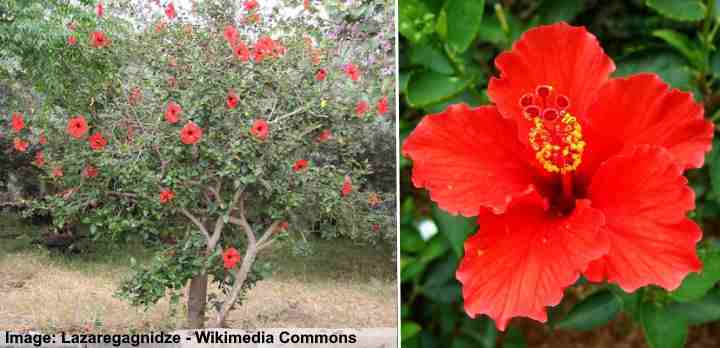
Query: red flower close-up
[260, 129]
[97, 142]
[77, 127]
[361, 108]
[232, 99]
[172, 113]
[20, 144]
[39, 159]
[57, 172]
[166, 195]
[250, 5]
[382, 105]
[231, 35]
[231, 257]
[570, 172]
[100, 9]
[320, 75]
[190, 133]
[98, 39]
[300, 165]
[324, 136]
[18, 122]
[71, 40]
[42, 139]
[346, 187]
[241, 51]
[170, 11]
[90, 171]
[352, 71]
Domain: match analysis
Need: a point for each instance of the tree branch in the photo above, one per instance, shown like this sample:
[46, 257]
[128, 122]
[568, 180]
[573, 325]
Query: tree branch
[197, 223]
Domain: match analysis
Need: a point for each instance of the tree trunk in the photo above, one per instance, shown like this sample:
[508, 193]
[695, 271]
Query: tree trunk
[240, 278]
[197, 298]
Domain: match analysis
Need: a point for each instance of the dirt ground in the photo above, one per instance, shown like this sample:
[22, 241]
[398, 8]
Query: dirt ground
[342, 286]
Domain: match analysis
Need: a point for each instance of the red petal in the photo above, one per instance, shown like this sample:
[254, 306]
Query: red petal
[645, 199]
[519, 262]
[468, 159]
[567, 58]
[641, 109]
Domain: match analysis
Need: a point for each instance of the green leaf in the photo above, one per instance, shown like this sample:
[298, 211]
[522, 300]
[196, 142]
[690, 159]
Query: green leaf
[630, 302]
[410, 240]
[463, 21]
[482, 330]
[696, 285]
[410, 268]
[428, 87]
[462, 342]
[443, 294]
[403, 81]
[662, 329]
[682, 44]
[514, 339]
[415, 20]
[681, 10]
[670, 66]
[437, 246]
[409, 329]
[596, 310]
[702, 311]
[552, 11]
[714, 166]
[442, 272]
[432, 58]
[455, 228]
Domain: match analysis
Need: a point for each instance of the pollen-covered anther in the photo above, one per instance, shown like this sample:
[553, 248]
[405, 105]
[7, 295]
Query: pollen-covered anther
[558, 143]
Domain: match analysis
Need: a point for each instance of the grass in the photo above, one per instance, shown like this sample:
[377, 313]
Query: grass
[341, 284]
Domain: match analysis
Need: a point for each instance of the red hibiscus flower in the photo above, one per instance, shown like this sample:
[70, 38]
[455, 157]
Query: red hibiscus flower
[57, 172]
[306, 4]
[283, 226]
[77, 127]
[230, 258]
[231, 100]
[43, 139]
[347, 187]
[361, 108]
[320, 75]
[352, 71]
[90, 171]
[18, 122]
[20, 144]
[100, 9]
[166, 195]
[97, 142]
[300, 165]
[250, 5]
[324, 136]
[231, 35]
[260, 129]
[71, 40]
[191, 133]
[241, 51]
[382, 105]
[172, 112]
[135, 96]
[570, 172]
[376, 228]
[98, 39]
[170, 11]
[39, 159]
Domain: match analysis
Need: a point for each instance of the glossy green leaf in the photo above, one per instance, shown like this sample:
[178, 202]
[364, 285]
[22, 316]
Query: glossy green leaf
[437, 246]
[681, 10]
[696, 285]
[463, 21]
[448, 293]
[553, 11]
[442, 272]
[455, 228]
[410, 240]
[432, 58]
[482, 330]
[596, 310]
[662, 329]
[713, 161]
[514, 338]
[682, 44]
[415, 20]
[428, 87]
[671, 67]
[409, 329]
[705, 310]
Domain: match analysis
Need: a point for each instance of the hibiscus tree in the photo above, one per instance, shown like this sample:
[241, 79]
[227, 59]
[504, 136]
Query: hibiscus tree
[571, 172]
[220, 153]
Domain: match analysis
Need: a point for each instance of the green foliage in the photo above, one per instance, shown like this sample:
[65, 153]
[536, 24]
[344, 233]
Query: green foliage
[445, 61]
